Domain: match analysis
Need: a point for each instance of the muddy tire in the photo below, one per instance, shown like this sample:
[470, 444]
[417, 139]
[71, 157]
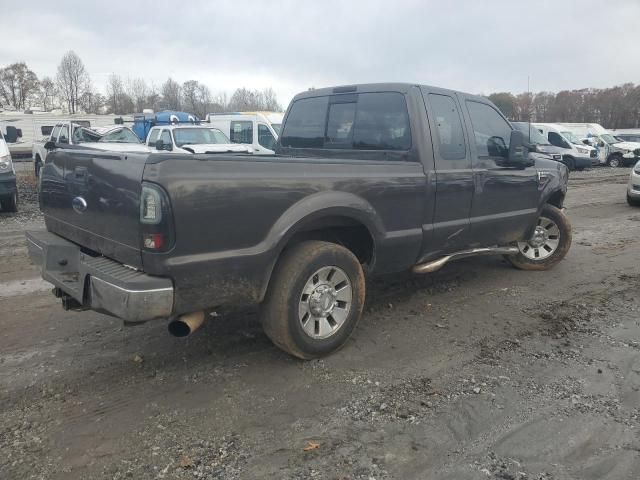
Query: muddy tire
[314, 299]
[548, 245]
[10, 204]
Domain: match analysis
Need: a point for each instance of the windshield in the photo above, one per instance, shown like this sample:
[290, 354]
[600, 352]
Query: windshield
[120, 136]
[531, 134]
[572, 138]
[196, 136]
[276, 127]
[610, 139]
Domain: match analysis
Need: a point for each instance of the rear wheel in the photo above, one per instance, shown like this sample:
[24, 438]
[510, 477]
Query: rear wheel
[314, 300]
[549, 243]
[10, 204]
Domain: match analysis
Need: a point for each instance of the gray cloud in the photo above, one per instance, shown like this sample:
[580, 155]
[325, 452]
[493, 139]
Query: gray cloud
[292, 45]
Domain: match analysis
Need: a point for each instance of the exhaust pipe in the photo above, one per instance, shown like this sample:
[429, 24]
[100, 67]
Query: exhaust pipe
[186, 324]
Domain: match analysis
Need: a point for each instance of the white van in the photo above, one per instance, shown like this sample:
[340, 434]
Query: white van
[258, 129]
[577, 156]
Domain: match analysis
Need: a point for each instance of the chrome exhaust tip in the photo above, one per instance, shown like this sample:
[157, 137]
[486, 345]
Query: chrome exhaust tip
[186, 324]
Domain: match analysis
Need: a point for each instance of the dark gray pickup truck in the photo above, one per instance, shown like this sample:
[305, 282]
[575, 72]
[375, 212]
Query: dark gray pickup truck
[367, 180]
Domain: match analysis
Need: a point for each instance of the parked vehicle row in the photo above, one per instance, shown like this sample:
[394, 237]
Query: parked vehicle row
[8, 187]
[379, 178]
[192, 139]
[113, 138]
[611, 150]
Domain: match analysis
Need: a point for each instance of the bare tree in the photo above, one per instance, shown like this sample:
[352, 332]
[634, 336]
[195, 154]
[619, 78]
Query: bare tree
[138, 91]
[18, 85]
[171, 94]
[47, 93]
[72, 80]
[91, 101]
[190, 100]
[270, 101]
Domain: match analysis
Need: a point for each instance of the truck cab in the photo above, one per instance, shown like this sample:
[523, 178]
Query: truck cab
[258, 129]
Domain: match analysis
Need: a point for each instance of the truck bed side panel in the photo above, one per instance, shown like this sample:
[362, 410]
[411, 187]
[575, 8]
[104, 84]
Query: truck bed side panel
[232, 217]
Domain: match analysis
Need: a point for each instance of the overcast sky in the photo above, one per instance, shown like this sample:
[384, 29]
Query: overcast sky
[475, 46]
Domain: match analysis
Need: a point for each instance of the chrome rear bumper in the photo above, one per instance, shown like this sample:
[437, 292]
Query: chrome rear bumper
[99, 283]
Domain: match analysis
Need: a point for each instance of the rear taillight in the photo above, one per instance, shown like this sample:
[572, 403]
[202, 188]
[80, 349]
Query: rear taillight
[155, 219]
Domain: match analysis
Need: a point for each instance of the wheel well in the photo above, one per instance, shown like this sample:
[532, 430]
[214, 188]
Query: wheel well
[344, 231]
[556, 199]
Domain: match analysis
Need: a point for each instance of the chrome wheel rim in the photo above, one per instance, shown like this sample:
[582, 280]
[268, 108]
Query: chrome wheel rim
[544, 241]
[614, 162]
[325, 302]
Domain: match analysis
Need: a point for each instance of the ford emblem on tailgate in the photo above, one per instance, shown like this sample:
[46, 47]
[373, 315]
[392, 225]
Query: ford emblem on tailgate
[79, 204]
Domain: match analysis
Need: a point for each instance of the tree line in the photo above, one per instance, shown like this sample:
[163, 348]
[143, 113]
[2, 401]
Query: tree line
[72, 90]
[615, 107]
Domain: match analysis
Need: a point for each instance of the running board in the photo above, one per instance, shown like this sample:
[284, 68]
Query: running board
[441, 262]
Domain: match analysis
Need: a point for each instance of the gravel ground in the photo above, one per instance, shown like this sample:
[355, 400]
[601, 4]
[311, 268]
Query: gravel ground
[476, 371]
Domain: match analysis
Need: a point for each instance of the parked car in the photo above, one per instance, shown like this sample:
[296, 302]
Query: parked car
[192, 139]
[379, 178]
[539, 145]
[616, 153]
[8, 187]
[258, 129]
[633, 188]
[116, 137]
[575, 156]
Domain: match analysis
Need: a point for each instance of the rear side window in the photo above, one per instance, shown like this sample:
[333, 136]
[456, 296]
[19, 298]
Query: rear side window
[241, 132]
[491, 131]
[448, 127]
[365, 121]
[556, 140]
[165, 136]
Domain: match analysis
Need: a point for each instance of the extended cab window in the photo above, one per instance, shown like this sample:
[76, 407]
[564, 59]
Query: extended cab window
[491, 131]
[165, 136]
[365, 121]
[382, 122]
[448, 127]
[241, 132]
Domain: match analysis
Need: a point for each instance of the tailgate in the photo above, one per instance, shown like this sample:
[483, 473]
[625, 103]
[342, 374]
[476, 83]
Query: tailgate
[92, 197]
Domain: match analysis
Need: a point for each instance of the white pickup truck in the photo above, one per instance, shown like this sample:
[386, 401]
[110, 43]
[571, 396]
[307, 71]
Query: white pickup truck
[192, 139]
[113, 138]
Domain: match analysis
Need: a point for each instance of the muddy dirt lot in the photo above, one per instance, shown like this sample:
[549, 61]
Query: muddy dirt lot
[477, 371]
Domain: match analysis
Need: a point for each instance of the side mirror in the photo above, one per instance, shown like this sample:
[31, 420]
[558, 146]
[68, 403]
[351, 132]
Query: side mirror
[160, 145]
[50, 145]
[518, 153]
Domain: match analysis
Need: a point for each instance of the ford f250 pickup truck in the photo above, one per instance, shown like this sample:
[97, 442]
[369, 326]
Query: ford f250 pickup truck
[367, 180]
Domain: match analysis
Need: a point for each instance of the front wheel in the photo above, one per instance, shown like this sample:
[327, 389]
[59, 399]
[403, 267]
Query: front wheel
[634, 202]
[614, 161]
[314, 300]
[549, 243]
[10, 204]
